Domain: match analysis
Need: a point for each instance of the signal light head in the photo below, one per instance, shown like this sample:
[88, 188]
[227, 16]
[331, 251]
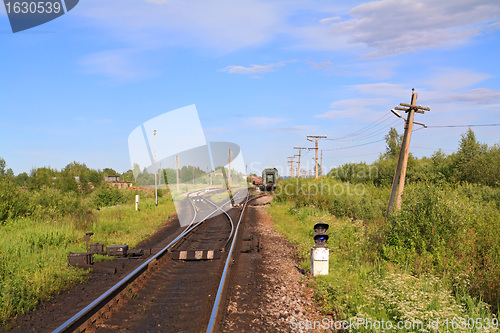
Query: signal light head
[320, 227]
[320, 237]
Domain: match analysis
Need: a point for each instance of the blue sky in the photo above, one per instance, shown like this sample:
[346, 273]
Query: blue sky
[262, 74]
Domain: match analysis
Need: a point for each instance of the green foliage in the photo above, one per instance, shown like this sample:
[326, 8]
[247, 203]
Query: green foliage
[2, 167]
[21, 179]
[34, 250]
[453, 231]
[13, 201]
[358, 201]
[393, 141]
[448, 231]
[109, 172]
[107, 196]
[360, 284]
[128, 176]
[472, 163]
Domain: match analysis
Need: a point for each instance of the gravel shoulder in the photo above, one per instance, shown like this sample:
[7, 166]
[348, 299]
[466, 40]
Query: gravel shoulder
[268, 290]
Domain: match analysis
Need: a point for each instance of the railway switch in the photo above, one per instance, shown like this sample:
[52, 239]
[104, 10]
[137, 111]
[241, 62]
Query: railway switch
[320, 253]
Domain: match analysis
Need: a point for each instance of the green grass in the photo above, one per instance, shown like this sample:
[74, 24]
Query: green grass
[362, 285]
[33, 252]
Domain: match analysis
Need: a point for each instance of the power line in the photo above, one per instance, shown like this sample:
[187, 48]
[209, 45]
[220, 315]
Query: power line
[363, 144]
[359, 132]
[472, 125]
[371, 135]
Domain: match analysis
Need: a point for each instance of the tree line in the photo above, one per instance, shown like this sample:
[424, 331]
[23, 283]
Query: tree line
[473, 162]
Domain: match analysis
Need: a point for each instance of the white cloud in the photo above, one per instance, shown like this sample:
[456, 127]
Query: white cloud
[449, 79]
[382, 88]
[373, 29]
[358, 109]
[252, 69]
[297, 128]
[320, 65]
[119, 65]
[265, 121]
[220, 24]
[330, 19]
[475, 96]
[158, 2]
[388, 27]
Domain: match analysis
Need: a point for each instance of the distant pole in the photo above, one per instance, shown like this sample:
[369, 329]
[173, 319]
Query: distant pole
[156, 173]
[398, 181]
[316, 137]
[300, 150]
[291, 165]
[177, 170]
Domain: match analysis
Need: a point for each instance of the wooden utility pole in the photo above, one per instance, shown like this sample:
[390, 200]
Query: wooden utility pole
[300, 150]
[398, 181]
[316, 137]
[291, 165]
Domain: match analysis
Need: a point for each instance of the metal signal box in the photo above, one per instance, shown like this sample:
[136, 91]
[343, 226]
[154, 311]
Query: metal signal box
[80, 259]
[117, 250]
[97, 248]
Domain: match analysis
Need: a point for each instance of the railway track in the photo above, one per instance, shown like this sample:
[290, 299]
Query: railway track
[180, 288]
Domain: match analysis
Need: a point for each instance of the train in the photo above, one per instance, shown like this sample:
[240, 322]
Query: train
[269, 179]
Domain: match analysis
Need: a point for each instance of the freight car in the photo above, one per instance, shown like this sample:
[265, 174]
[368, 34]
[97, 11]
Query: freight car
[269, 179]
[256, 180]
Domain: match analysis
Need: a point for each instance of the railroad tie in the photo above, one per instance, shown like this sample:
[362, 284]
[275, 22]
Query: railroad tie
[195, 255]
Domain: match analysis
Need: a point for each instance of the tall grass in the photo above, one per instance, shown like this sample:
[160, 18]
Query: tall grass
[361, 286]
[446, 231]
[34, 248]
[453, 231]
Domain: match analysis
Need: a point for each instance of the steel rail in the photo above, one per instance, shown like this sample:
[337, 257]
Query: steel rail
[86, 313]
[223, 211]
[215, 307]
[227, 215]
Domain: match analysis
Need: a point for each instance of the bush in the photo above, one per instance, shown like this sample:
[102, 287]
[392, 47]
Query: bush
[453, 231]
[107, 196]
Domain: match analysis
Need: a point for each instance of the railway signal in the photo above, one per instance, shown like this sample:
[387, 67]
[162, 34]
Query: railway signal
[320, 253]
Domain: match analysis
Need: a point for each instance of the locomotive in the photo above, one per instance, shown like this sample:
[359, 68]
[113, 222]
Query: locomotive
[269, 179]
